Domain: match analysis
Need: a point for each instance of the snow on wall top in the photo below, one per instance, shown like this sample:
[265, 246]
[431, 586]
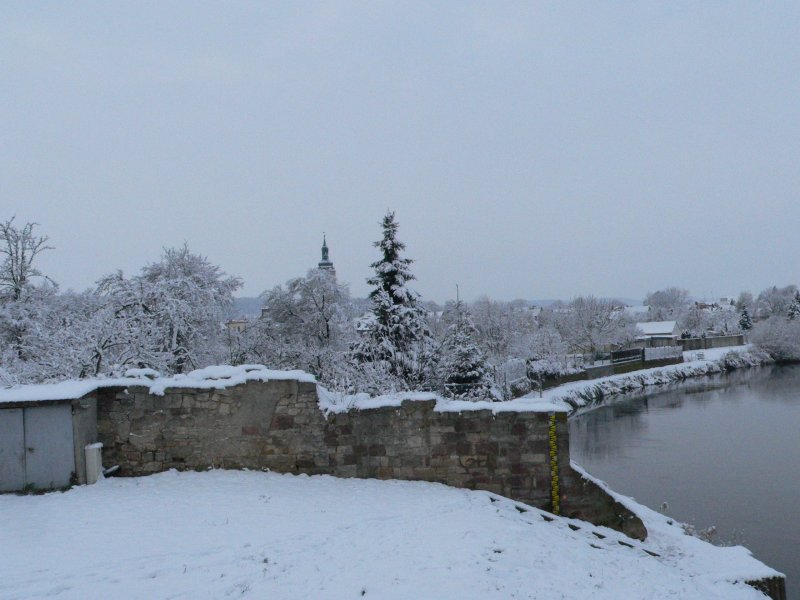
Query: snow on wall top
[216, 377]
[333, 402]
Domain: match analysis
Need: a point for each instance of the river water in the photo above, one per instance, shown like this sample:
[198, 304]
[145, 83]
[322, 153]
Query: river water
[721, 451]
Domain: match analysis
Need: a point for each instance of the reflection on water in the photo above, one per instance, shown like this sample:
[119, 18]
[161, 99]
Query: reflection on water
[720, 450]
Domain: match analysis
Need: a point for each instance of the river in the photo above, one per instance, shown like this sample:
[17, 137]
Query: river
[720, 451]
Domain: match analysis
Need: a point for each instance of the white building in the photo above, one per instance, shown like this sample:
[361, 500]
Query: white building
[658, 330]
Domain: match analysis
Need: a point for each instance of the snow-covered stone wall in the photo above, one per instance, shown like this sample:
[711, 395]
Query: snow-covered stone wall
[278, 425]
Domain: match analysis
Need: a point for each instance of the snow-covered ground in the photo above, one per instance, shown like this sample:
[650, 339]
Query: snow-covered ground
[224, 534]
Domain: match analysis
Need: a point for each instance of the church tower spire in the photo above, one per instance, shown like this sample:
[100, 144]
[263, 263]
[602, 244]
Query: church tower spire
[325, 264]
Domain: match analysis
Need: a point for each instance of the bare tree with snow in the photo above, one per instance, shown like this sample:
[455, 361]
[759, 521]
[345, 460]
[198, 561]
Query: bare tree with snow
[594, 323]
[311, 319]
[20, 246]
[177, 306]
[775, 301]
[669, 304]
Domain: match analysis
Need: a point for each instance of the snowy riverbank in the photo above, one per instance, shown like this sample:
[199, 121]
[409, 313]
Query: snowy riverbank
[569, 397]
[265, 535]
[584, 394]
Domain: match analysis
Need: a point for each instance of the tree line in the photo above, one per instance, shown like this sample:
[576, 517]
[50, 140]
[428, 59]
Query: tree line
[170, 317]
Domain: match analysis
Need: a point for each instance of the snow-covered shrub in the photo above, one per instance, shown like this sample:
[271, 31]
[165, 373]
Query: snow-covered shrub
[550, 367]
[778, 336]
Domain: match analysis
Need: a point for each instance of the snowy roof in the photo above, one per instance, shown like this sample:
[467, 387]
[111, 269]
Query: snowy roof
[658, 327]
[216, 377]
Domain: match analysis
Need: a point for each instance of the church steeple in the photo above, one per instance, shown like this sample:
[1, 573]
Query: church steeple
[325, 264]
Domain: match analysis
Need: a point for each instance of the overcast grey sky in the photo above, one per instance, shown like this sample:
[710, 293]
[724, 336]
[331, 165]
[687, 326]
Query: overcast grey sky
[529, 150]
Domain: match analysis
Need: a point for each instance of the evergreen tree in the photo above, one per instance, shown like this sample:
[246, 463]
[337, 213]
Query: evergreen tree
[794, 307]
[397, 335]
[745, 322]
[465, 370]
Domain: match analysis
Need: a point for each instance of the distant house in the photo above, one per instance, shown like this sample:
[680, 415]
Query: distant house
[237, 325]
[658, 330]
[712, 307]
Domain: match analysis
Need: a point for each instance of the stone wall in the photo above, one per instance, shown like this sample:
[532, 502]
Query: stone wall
[278, 425]
[711, 342]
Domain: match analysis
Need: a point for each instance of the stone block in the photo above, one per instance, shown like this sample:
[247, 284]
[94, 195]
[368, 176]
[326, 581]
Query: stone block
[414, 441]
[145, 401]
[280, 422]
[441, 450]
[359, 449]
[495, 488]
[347, 471]
[454, 437]
[377, 450]
[305, 462]
[519, 429]
[487, 447]
[463, 448]
[410, 406]
[534, 459]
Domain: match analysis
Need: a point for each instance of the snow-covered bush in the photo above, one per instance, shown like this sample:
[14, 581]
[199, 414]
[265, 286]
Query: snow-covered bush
[778, 336]
[550, 367]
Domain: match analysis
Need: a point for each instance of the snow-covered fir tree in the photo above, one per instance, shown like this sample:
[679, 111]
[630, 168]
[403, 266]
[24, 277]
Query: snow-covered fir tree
[745, 321]
[466, 374]
[794, 307]
[396, 335]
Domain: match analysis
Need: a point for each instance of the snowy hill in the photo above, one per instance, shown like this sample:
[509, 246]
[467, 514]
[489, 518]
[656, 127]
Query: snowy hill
[263, 535]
